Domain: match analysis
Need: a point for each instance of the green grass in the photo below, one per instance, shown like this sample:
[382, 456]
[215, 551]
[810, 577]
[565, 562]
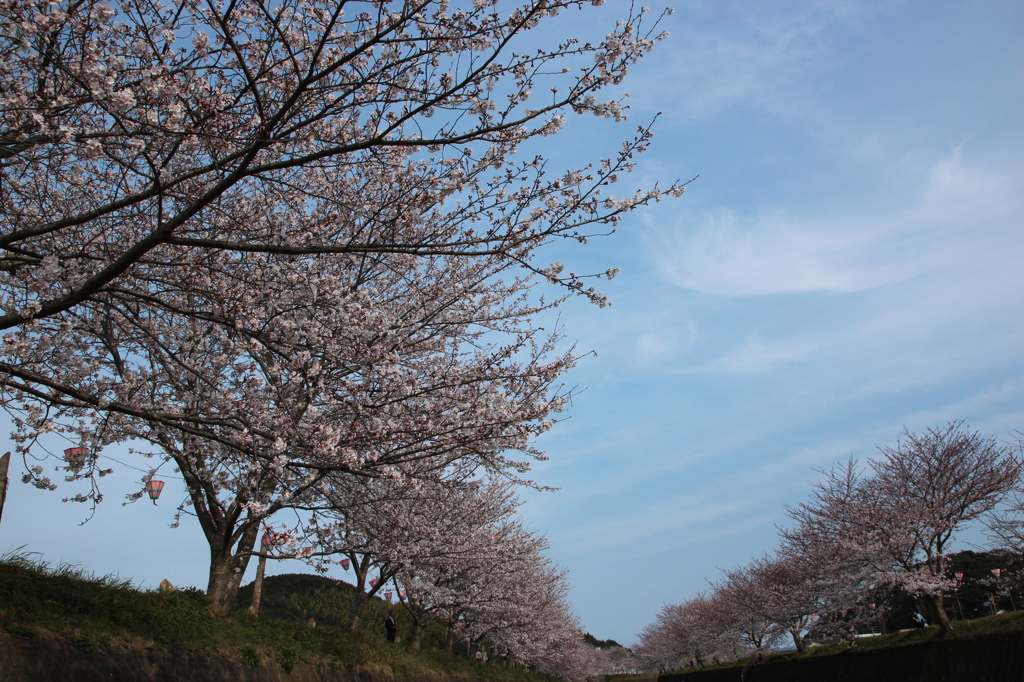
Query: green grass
[38, 600]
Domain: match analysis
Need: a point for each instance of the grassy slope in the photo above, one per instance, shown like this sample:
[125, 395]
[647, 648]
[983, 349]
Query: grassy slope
[38, 600]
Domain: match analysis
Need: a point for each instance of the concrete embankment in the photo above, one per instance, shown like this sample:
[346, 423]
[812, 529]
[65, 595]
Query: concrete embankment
[41, 660]
[991, 658]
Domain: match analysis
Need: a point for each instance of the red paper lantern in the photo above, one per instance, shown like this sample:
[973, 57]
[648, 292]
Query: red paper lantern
[387, 595]
[345, 563]
[153, 487]
[76, 458]
[959, 576]
[373, 582]
[268, 542]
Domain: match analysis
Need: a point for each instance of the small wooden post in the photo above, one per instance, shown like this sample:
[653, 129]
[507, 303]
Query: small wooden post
[5, 462]
[257, 585]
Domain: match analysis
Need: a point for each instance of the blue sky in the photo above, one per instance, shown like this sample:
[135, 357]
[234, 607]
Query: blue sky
[847, 264]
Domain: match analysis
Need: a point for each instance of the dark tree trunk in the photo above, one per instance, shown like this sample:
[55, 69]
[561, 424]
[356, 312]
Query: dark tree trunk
[355, 609]
[416, 635]
[227, 567]
[935, 602]
[4, 463]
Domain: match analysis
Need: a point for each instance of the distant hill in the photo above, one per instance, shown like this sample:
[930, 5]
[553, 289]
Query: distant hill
[297, 597]
[600, 643]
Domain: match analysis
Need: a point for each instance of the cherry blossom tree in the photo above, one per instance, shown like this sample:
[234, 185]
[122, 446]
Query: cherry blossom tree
[771, 590]
[1006, 522]
[203, 198]
[522, 610]
[617, 660]
[395, 532]
[662, 645]
[742, 619]
[835, 553]
[364, 368]
[928, 487]
[452, 549]
[899, 522]
[137, 137]
[277, 241]
[701, 628]
[365, 365]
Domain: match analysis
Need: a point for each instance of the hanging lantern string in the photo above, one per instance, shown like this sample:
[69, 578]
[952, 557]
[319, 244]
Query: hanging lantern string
[105, 456]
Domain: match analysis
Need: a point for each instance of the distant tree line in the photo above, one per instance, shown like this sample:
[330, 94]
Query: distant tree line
[870, 546]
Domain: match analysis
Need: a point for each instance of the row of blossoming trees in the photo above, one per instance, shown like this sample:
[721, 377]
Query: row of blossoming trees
[288, 250]
[452, 551]
[863, 534]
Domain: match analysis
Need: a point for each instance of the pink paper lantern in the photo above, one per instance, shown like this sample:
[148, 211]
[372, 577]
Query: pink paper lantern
[996, 571]
[345, 563]
[153, 487]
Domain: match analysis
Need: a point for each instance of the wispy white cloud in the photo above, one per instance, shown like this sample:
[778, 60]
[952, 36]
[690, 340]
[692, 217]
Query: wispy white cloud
[733, 255]
[758, 354]
[961, 212]
[996, 408]
[755, 488]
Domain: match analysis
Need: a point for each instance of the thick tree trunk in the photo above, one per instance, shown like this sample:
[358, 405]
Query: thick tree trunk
[217, 586]
[227, 568]
[798, 640]
[935, 601]
[355, 610]
[229, 553]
